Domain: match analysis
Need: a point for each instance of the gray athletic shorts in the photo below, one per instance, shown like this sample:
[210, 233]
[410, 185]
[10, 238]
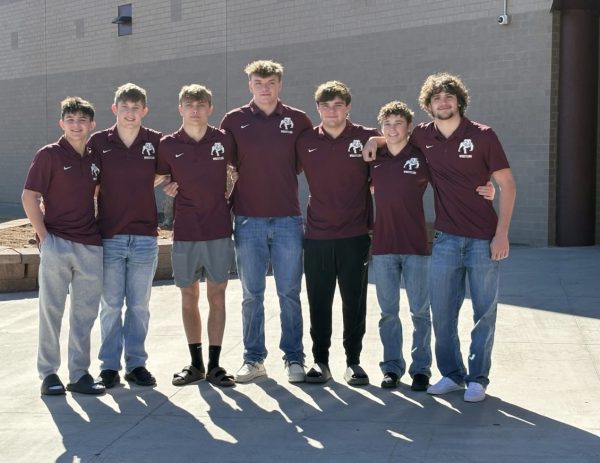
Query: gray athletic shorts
[192, 260]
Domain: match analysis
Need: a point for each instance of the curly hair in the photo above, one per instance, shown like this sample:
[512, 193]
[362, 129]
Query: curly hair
[395, 108]
[444, 82]
[332, 89]
[264, 68]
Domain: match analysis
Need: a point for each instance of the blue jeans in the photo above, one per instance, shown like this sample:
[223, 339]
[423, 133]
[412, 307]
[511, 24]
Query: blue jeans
[129, 266]
[388, 269]
[278, 239]
[454, 260]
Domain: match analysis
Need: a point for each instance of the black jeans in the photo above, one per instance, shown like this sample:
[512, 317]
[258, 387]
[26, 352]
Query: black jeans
[344, 261]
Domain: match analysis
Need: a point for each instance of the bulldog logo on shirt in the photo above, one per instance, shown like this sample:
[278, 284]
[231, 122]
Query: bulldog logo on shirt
[412, 163]
[148, 150]
[217, 151]
[355, 149]
[95, 171]
[466, 145]
[286, 125]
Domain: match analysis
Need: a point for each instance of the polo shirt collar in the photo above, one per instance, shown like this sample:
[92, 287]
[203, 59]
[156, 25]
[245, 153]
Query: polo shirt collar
[183, 136]
[257, 111]
[345, 133]
[385, 152]
[64, 143]
[458, 133]
[113, 136]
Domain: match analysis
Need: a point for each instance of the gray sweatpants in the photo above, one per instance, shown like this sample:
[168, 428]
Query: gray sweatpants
[75, 268]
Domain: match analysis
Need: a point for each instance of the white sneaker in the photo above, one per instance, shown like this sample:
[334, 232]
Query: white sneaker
[295, 372]
[250, 370]
[474, 393]
[443, 386]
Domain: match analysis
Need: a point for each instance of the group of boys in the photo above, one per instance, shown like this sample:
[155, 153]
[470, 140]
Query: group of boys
[264, 145]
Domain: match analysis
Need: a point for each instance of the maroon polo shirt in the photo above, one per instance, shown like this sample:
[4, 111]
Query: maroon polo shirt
[267, 185]
[126, 204]
[200, 169]
[339, 203]
[400, 182]
[458, 165]
[67, 182]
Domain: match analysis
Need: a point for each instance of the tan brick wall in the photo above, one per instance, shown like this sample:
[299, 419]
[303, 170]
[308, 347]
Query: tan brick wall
[382, 48]
[19, 267]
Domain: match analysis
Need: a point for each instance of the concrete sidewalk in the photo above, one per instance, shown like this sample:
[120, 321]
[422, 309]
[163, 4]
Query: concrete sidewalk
[543, 403]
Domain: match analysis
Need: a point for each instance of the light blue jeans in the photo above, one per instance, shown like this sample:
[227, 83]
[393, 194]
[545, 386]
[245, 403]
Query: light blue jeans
[454, 261]
[388, 269]
[129, 266]
[259, 240]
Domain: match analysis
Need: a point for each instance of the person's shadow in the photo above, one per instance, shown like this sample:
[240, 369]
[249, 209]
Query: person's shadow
[335, 422]
[266, 421]
[137, 424]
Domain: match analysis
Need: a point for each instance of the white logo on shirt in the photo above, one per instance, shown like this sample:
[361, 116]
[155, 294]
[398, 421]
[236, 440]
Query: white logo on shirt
[67, 167]
[148, 150]
[310, 150]
[95, 171]
[286, 125]
[106, 151]
[411, 163]
[244, 126]
[355, 149]
[180, 154]
[217, 150]
[466, 144]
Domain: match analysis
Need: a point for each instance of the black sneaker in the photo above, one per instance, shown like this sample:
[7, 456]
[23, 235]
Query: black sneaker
[141, 377]
[110, 378]
[390, 380]
[420, 382]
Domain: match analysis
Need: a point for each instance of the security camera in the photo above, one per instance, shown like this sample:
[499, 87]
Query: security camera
[503, 19]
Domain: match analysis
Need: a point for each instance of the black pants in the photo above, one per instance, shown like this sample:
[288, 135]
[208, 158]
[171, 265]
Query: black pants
[345, 261]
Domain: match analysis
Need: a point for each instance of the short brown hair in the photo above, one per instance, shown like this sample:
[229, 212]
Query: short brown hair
[130, 92]
[395, 108]
[444, 82]
[195, 92]
[75, 104]
[332, 89]
[264, 68]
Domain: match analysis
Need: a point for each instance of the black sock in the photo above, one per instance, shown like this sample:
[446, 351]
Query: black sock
[196, 353]
[214, 352]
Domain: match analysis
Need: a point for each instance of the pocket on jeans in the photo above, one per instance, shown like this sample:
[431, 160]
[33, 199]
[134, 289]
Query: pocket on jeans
[239, 220]
[45, 243]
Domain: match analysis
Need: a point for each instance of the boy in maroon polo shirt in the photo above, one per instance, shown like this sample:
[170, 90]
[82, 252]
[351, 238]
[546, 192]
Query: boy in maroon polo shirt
[336, 245]
[196, 158]
[400, 249]
[128, 222]
[268, 221]
[470, 238]
[65, 176]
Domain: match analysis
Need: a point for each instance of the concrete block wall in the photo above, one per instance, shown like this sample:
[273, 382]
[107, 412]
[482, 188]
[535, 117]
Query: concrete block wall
[19, 267]
[383, 49]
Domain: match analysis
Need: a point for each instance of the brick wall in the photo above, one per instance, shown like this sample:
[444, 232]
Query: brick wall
[382, 48]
